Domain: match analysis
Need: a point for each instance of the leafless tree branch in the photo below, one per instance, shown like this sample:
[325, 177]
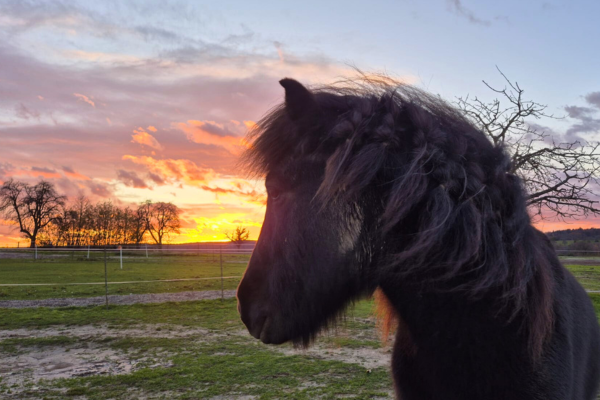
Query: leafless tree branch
[556, 175]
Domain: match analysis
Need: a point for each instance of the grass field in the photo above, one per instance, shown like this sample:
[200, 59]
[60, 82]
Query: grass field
[187, 350]
[587, 275]
[62, 271]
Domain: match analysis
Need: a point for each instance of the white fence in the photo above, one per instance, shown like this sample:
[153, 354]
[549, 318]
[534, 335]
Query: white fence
[118, 251]
[195, 256]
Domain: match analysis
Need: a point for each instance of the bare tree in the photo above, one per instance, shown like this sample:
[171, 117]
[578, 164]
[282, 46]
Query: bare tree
[81, 210]
[162, 219]
[70, 226]
[31, 207]
[44, 217]
[139, 225]
[239, 236]
[105, 223]
[61, 230]
[557, 174]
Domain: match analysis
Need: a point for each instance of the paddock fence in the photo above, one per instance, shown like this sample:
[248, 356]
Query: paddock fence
[92, 272]
[73, 272]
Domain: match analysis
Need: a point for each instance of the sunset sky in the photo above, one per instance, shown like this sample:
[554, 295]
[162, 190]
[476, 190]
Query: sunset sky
[136, 100]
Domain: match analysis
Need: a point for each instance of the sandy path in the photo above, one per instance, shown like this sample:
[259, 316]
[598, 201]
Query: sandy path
[118, 299]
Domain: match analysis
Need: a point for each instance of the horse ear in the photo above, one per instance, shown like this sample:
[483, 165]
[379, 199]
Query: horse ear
[299, 100]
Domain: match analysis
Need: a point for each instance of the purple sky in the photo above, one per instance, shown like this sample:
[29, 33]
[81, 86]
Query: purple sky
[144, 100]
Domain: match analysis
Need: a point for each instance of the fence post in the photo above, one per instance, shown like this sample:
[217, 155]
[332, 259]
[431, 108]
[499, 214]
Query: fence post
[221, 262]
[36, 251]
[88, 251]
[121, 255]
[146, 251]
[105, 280]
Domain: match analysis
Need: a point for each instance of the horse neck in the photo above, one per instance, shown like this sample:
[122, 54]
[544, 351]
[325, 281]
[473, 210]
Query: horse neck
[431, 313]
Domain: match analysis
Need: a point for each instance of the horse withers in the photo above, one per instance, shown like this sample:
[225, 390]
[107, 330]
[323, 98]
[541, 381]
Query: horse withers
[374, 185]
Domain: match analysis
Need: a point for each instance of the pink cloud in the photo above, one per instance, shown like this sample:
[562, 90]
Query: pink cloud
[99, 189]
[36, 172]
[85, 99]
[131, 179]
[69, 172]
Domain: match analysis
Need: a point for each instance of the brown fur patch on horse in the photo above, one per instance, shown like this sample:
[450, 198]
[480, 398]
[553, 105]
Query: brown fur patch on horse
[389, 321]
[387, 317]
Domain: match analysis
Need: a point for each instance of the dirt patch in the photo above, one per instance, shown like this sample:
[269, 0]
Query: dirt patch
[25, 369]
[367, 357]
[30, 364]
[364, 356]
[119, 299]
[54, 362]
[103, 331]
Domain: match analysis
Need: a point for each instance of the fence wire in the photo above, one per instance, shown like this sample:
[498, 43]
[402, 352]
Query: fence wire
[42, 273]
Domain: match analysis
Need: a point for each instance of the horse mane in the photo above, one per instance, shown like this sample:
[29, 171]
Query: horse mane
[448, 197]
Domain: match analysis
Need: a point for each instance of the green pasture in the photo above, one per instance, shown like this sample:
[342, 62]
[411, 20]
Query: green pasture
[185, 350]
[221, 361]
[63, 272]
[587, 275]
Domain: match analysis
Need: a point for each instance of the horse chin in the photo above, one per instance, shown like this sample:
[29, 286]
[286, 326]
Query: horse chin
[272, 332]
[269, 334]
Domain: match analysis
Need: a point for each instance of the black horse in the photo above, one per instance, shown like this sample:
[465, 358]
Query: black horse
[377, 185]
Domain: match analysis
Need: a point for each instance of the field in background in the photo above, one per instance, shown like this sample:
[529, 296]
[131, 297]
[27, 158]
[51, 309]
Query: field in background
[65, 274]
[185, 350]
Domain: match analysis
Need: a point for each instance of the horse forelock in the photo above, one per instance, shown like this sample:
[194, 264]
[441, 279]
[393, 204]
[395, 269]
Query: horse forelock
[447, 193]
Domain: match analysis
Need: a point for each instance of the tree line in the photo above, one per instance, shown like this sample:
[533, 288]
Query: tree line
[47, 218]
[575, 234]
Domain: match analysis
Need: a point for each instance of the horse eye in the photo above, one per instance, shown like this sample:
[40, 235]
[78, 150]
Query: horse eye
[274, 194]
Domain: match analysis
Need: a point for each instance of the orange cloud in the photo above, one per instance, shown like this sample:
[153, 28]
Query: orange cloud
[143, 137]
[249, 125]
[228, 135]
[152, 129]
[175, 170]
[279, 48]
[85, 99]
[252, 196]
